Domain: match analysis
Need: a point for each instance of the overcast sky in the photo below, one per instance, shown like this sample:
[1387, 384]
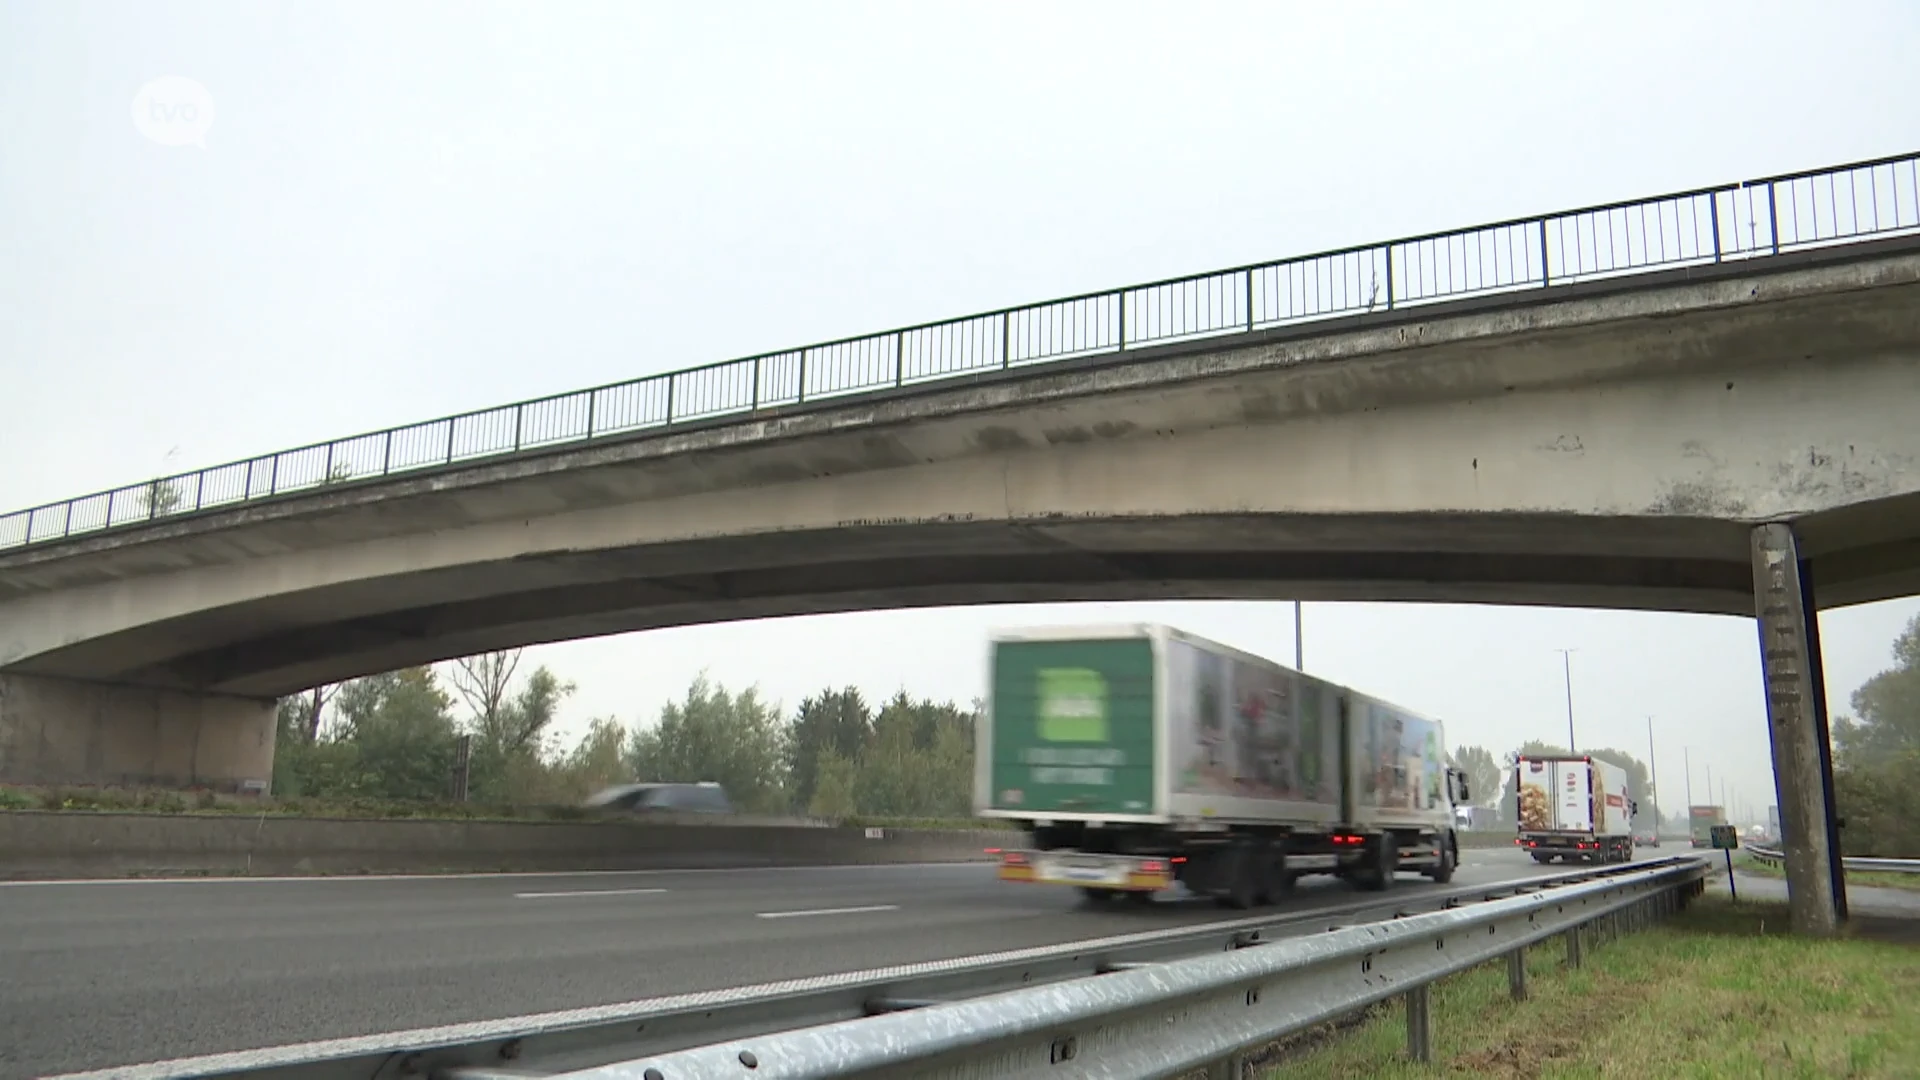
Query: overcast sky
[408, 210]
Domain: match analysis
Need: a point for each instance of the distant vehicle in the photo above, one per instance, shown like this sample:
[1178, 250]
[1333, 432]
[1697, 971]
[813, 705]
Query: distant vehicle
[705, 797]
[1650, 839]
[1139, 757]
[1574, 808]
[1700, 822]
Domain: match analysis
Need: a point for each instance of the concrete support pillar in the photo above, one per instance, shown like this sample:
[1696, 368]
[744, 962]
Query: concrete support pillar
[1796, 710]
[61, 731]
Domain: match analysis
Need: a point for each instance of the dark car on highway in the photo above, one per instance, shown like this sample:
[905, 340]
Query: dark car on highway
[702, 798]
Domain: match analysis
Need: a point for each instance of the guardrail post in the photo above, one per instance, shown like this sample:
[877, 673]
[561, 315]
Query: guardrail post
[1517, 973]
[1574, 949]
[1420, 1023]
[1231, 1067]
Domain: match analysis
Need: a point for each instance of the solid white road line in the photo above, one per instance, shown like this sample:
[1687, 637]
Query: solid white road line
[520, 874]
[825, 911]
[585, 892]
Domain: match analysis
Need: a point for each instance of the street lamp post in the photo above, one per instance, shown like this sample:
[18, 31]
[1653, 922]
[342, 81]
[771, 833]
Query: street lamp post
[1653, 771]
[1299, 649]
[1566, 666]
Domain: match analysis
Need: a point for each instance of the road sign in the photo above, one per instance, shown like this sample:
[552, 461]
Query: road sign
[1726, 838]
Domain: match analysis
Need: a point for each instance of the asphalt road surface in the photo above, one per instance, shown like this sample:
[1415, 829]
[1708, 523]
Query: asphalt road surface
[95, 975]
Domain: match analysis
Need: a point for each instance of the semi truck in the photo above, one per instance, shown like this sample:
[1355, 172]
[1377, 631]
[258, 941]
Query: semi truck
[1700, 823]
[1139, 757]
[1574, 809]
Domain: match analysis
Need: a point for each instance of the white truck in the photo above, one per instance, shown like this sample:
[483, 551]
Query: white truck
[1574, 809]
[1138, 757]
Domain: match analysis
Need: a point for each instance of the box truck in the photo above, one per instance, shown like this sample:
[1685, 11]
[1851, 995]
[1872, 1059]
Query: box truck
[1138, 757]
[1700, 823]
[1574, 808]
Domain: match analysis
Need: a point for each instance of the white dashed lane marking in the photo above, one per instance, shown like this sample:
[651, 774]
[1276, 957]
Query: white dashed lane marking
[825, 911]
[584, 892]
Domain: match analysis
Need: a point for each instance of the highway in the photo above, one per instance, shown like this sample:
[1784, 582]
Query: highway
[105, 974]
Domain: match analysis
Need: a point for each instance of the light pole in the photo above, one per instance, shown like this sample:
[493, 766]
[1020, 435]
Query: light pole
[1566, 666]
[1653, 771]
[1299, 647]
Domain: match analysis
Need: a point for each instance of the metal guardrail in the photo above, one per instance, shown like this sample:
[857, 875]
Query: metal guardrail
[1753, 218]
[1210, 1012]
[1774, 856]
[1330, 960]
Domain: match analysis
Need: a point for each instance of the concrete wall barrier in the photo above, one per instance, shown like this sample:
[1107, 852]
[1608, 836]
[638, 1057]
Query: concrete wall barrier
[36, 844]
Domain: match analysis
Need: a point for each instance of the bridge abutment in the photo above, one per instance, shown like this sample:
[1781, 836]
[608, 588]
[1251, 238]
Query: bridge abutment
[1797, 725]
[62, 731]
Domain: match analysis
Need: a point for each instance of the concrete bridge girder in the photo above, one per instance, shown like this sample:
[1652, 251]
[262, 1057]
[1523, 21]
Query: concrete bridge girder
[1609, 445]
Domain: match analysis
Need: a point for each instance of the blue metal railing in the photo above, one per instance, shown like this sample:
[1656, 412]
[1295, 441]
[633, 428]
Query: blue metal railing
[1732, 221]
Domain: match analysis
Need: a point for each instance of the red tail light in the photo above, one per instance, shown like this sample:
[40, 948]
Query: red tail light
[1153, 866]
[993, 851]
[1178, 859]
[1014, 858]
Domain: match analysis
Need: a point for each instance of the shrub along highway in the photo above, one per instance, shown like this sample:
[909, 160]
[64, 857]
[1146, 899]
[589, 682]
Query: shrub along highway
[108, 973]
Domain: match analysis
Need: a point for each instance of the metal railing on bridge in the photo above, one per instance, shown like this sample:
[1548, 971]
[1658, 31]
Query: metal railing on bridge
[1755, 218]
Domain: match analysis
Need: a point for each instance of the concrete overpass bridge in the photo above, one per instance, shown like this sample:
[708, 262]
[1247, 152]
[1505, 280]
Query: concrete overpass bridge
[1682, 404]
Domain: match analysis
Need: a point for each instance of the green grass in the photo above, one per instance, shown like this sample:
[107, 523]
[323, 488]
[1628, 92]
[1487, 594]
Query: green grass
[1747, 864]
[1718, 991]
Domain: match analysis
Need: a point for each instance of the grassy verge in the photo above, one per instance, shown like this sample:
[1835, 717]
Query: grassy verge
[1719, 991]
[167, 801]
[1747, 864]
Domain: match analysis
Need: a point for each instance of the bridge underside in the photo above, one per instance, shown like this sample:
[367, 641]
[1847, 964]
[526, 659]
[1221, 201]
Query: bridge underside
[285, 644]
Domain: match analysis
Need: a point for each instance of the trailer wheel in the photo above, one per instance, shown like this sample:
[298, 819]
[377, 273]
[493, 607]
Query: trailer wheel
[1276, 880]
[1095, 895]
[1386, 860]
[1442, 871]
[1239, 878]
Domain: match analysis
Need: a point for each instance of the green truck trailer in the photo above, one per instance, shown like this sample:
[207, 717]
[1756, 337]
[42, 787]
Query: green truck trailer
[1137, 757]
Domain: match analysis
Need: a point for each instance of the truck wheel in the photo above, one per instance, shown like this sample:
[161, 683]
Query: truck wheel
[1096, 896]
[1276, 880]
[1386, 859]
[1239, 882]
[1442, 871]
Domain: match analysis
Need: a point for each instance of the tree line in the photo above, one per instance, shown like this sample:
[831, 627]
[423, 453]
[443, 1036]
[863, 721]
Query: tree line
[1876, 758]
[396, 736]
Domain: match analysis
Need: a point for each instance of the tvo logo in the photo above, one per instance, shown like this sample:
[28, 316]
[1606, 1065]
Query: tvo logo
[174, 111]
